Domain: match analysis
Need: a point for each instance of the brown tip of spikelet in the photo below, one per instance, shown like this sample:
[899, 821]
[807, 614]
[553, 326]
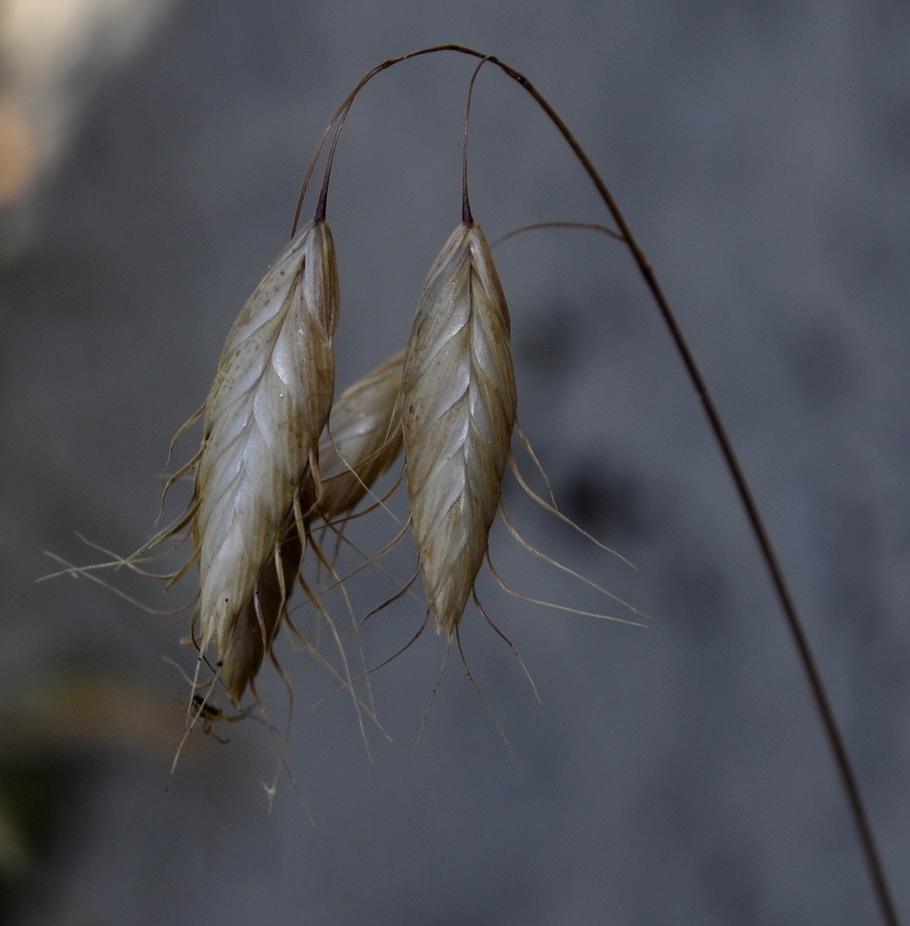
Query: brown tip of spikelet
[263, 418]
[458, 412]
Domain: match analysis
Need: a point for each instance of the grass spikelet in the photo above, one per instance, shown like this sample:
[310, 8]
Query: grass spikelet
[362, 440]
[458, 412]
[266, 410]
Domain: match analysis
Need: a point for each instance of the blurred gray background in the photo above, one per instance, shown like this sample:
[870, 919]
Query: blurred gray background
[151, 158]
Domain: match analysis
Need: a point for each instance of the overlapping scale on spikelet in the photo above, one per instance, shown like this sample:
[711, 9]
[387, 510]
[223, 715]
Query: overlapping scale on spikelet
[266, 410]
[458, 412]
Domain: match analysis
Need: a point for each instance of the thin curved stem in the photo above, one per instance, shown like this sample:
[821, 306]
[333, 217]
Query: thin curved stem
[844, 766]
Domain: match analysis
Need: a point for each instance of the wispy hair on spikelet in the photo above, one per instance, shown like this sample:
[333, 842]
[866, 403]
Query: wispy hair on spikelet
[458, 411]
[263, 417]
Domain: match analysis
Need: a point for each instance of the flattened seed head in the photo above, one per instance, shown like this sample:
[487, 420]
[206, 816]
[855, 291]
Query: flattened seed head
[458, 412]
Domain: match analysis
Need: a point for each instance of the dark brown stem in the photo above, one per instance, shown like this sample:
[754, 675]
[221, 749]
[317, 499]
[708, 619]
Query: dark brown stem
[842, 761]
[466, 215]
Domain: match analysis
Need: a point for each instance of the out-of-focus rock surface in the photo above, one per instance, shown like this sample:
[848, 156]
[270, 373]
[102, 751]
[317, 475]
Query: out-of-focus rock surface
[671, 774]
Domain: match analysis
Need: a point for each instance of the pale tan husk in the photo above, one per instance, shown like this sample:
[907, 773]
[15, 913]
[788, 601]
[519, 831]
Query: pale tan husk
[266, 410]
[458, 412]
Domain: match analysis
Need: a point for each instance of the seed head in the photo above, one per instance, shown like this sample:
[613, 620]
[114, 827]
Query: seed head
[263, 417]
[458, 412]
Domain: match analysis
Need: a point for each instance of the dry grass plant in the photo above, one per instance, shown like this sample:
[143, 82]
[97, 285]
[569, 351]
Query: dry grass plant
[278, 461]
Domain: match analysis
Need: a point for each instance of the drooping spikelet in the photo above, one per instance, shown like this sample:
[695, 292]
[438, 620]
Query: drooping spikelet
[263, 418]
[362, 440]
[458, 412]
